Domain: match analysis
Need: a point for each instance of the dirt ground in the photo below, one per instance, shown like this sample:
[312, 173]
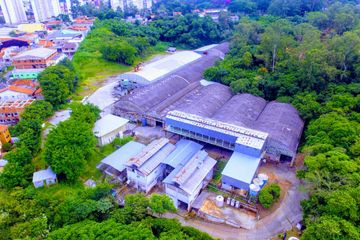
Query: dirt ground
[284, 184]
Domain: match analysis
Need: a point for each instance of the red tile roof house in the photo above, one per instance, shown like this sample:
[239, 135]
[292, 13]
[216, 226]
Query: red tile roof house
[13, 93]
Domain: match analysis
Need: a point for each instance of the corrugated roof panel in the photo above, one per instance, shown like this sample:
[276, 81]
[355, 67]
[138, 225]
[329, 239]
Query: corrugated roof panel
[118, 159]
[185, 149]
[151, 149]
[241, 167]
[156, 159]
[190, 167]
[198, 176]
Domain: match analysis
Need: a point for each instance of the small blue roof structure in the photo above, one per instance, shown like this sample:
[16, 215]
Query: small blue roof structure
[43, 175]
[3, 162]
[184, 150]
[118, 158]
[240, 170]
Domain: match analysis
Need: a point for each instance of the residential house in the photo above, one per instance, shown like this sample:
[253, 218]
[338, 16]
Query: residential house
[69, 48]
[44, 177]
[114, 164]
[12, 93]
[108, 128]
[38, 58]
[10, 111]
[146, 169]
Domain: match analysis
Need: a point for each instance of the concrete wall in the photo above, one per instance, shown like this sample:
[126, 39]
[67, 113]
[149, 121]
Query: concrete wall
[145, 183]
[108, 138]
[228, 181]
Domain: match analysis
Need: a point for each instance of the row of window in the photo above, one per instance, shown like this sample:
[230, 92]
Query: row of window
[204, 137]
[9, 114]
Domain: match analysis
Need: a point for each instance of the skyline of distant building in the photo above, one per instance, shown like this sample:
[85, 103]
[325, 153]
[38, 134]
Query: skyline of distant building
[123, 4]
[13, 11]
[45, 9]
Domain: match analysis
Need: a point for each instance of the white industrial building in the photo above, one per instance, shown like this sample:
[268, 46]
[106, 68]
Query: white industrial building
[190, 176]
[108, 128]
[146, 169]
[13, 11]
[154, 71]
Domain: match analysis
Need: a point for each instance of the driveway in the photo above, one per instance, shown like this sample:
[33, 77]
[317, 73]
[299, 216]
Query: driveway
[284, 218]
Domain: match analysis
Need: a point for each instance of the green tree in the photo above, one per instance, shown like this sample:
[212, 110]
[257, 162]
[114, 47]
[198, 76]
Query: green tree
[330, 227]
[39, 109]
[161, 203]
[67, 148]
[136, 206]
[58, 82]
[120, 52]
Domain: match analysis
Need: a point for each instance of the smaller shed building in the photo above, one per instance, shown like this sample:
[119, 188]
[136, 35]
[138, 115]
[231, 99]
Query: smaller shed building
[108, 128]
[44, 177]
[3, 162]
[114, 164]
[239, 171]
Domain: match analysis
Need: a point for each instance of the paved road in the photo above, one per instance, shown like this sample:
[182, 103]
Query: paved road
[284, 218]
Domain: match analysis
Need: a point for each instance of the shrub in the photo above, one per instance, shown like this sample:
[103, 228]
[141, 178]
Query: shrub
[269, 194]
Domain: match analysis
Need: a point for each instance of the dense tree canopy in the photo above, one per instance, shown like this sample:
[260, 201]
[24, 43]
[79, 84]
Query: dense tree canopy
[58, 82]
[68, 146]
[313, 63]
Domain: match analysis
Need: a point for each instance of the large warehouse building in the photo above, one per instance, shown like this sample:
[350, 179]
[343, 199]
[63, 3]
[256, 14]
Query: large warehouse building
[175, 65]
[184, 104]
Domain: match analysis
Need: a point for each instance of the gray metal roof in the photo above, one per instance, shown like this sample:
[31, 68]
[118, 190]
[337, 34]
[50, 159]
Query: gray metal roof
[188, 175]
[283, 123]
[143, 99]
[145, 154]
[241, 110]
[207, 100]
[43, 175]
[184, 150]
[152, 163]
[118, 158]
[241, 167]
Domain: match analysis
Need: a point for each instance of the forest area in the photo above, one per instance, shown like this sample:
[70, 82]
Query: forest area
[312, 62]
[303, 52]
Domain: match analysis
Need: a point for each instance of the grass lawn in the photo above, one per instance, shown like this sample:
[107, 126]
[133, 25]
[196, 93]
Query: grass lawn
[97, 155]
[60, 190]
[94, 70]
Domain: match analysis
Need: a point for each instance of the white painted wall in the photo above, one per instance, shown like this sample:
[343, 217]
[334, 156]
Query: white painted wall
[12, 95]
[145, 183]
